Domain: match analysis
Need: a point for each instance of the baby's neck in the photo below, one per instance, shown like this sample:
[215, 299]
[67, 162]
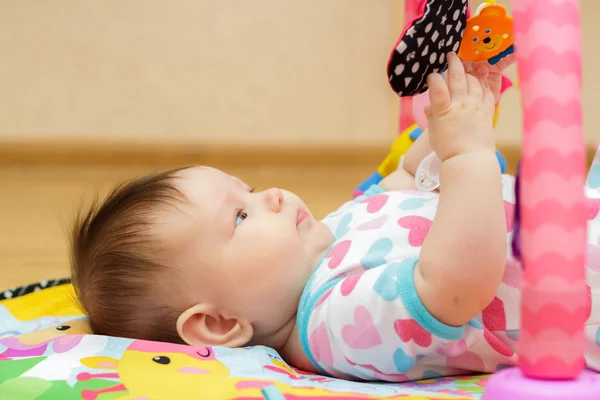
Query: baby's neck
[278, 339]
[286, 340]
[293, 352]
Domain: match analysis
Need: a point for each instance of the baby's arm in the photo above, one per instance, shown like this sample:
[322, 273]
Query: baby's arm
[403, 177]
[463, 256]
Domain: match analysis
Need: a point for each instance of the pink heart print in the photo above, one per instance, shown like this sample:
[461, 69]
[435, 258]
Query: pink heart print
[496, 344]
[364, 334]
[409, 329]
[493, 316]
[337, 253]
[509, 212]
[468, 361]
[375, 203]
[377, 223]
[320, 346]
[453, 349]
[418, 229]
[513, 273]
[593, 256]
[323, 298]
[593, 208]
[349, 283]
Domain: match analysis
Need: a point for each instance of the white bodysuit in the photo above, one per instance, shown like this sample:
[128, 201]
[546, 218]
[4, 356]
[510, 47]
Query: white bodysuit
[360, 316]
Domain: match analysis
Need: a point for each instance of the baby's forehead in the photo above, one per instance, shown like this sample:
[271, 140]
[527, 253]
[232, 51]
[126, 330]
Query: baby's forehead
[203, 188]
[204, 181]
[206, 175]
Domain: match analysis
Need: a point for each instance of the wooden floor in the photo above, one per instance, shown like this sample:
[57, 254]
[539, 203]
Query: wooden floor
[37, 204]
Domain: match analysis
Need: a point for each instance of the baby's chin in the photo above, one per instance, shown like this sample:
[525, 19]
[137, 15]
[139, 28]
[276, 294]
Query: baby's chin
[321, 239]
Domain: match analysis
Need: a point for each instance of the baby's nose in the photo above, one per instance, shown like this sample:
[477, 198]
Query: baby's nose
[487, 40]
[274, 199]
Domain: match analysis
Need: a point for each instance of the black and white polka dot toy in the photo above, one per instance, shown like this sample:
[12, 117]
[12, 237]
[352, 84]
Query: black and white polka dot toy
[422, 47]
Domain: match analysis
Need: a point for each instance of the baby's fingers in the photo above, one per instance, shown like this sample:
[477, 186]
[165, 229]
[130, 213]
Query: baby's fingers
[439, 95]
[474, 86]
[489, 100]
[481, 72]
[457, 81]
[506, 62]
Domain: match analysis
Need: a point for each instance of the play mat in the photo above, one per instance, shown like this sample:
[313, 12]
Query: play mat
[46, 352]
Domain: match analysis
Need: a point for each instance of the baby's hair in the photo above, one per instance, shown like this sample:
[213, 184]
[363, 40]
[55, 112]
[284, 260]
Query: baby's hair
[115, 264]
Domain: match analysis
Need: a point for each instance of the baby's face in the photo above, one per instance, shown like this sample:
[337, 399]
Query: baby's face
[249, 253]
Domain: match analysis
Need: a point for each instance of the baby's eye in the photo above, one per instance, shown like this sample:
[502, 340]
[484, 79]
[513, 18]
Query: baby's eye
[487, 31]
[239, 217]
[475, 39]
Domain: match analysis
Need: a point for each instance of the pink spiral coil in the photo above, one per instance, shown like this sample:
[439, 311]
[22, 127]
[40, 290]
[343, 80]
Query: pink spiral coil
[555, 302]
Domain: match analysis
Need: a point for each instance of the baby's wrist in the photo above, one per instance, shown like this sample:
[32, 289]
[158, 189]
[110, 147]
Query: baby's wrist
[473, 157]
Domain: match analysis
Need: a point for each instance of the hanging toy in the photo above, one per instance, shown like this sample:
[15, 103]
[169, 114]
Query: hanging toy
[422, 47]
[489, 35]
[439, 27]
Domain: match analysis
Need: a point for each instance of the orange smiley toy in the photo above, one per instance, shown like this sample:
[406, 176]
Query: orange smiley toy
[488, 35]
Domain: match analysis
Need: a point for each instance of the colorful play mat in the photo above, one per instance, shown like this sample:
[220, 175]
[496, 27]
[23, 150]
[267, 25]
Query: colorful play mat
[47, 352]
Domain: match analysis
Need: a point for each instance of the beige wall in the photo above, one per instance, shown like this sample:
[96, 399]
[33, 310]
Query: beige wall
[229, 71]
[509, 126]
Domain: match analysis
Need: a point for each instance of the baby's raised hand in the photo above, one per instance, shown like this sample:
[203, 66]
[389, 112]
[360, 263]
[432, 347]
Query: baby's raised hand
[460, 113]
[490, 75]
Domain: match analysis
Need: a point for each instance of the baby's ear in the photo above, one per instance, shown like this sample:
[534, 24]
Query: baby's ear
[203, 325]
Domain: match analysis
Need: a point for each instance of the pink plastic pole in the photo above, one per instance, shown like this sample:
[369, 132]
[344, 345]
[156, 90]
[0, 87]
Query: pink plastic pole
[555, 302]
[411, 9]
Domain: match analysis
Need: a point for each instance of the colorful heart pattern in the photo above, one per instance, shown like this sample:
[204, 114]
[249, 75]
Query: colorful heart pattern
[452, 349]
[494, 317]
[375, 203]
[323, 298]
[363, 334]
[337, 253]
[374, 224]
[349, 283]
[418, 229]
[593, 206]
[509, 212]
[403, 361]
[513, 273]
[593, 256]
[409, 330]
[497, 344]
[412, 204]
[386, 285]
[343, 226]
[320, 345]
[376, 254]
[468, 361]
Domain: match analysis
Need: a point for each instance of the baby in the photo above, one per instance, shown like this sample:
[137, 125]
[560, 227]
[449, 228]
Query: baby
[396, 285]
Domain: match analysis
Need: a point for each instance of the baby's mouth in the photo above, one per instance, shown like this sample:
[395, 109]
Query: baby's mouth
[301, 216]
